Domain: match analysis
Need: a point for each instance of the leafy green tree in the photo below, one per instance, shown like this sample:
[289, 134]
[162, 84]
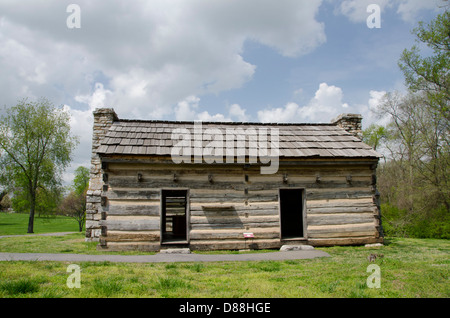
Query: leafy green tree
[35, 148]
[374, 135]
[74, 204]
[47, 200]
[430, 74]
[81, 180]
[414, 181]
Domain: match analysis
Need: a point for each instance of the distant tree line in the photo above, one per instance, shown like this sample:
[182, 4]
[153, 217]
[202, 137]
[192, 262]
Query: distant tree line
[413, 178]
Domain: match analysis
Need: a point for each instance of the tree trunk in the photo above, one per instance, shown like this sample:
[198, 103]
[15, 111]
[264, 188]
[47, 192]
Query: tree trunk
[31, 220]
[32, 209]
[2, 194]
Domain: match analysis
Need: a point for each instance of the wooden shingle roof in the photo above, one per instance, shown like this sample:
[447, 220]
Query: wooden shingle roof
[154, 138]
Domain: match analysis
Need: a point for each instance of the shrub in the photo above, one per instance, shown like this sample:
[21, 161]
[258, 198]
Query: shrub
[401, 223]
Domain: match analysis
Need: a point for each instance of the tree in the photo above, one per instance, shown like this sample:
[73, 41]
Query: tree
[429, 78]
[430, 74]
[74, 204]
[374, 135]
[35, 148]
[3, 194]
[5, 201]
[414, 181]
[47, 200]
[81, 180]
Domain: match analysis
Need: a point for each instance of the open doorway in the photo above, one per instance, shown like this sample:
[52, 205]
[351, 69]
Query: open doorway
[291, 213]
[174, 212]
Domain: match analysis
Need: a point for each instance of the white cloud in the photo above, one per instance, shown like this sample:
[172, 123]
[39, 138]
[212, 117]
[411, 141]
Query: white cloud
[375, 98]
[188, 110]
[409, 9]
[152, 54]
[371, 116]
[185, 109]
[81, 121]
[205, 116]
[325, 105]
[356, 10]
[97, 99]
[237, 113]
[288, 113]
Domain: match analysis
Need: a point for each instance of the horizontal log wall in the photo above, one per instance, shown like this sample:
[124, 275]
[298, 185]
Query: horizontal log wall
[226, 201]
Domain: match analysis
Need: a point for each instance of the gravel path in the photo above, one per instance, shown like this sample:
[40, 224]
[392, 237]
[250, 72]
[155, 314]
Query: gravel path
[159, 257]
[162, 257]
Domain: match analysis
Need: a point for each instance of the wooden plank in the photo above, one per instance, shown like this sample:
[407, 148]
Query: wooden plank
[345, 230]
[156, 182]
[341, 218]
[207, 245]
[233, 219]
[135, 209]
[131, 225]
[132, 246]
[364, 201]
[313, 235]
[223, 196]
[232, 199]
[299, 184]
[131, 194]
[319, 194]
[136, 236]
[237, 205]
[341, 209]
[247, 225]
[233, 234]
[241, 212]
[344, 241]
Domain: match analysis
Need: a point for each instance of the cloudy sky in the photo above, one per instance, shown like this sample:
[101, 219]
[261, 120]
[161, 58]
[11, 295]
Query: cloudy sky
[221, 60]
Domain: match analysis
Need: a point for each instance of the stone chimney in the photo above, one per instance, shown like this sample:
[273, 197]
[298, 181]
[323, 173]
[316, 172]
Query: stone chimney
[103, 119]
[350, 123]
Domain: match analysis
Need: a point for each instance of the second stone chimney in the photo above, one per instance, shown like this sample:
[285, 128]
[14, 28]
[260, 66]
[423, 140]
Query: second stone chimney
[350, 123]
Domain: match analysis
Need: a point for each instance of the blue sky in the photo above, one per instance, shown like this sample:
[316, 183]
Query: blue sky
[238, 60]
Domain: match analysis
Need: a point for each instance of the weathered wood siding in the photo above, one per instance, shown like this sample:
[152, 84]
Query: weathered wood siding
[340, 206]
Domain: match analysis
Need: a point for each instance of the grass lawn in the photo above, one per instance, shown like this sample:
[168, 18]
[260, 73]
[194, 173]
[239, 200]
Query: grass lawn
[17, 224]
[409, 268]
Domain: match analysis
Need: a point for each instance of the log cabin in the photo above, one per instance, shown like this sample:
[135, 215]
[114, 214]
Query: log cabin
[158, 184]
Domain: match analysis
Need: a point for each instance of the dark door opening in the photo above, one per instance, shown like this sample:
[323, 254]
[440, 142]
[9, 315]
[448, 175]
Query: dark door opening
[291, 213]
[174, 216]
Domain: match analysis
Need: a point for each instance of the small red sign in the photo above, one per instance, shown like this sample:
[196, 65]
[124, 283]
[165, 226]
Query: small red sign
[249, 235]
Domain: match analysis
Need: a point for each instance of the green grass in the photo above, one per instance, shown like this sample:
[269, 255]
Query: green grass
[19, 287]
[17, 224]
[70, 243]
[409, 268]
